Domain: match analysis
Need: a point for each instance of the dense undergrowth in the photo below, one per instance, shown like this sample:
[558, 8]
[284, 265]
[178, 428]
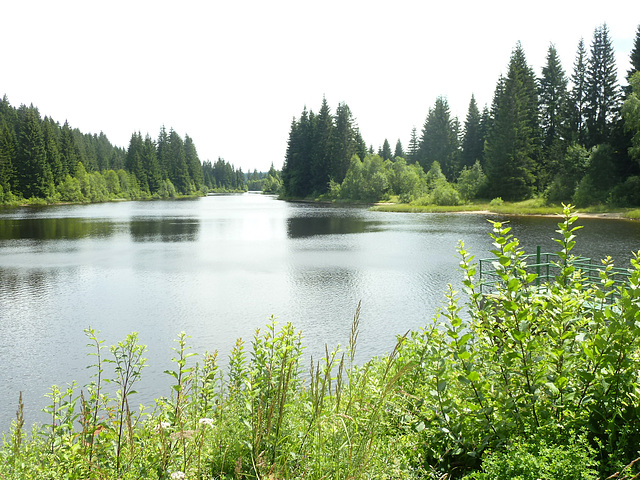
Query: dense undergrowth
[523, 383]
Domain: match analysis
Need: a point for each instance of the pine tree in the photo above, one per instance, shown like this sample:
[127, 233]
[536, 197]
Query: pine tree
[347, 142]
[134, 163]
[576, 106]
[54, 159]
[399, 151]
[193, 163]
[512, 146]
[473, 139]
[150, 165]
[439, 140]
[602, 91]
[7, 156]
[553, 117]
[385, 152]
[33, 173]
[177, 168]
[68, 150]
[162, 153]
[322, 148]
[634, 57]
[414, 145]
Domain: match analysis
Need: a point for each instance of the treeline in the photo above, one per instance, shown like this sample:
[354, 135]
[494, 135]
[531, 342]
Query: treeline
[562, 138]
[268, 182]
[43, 161]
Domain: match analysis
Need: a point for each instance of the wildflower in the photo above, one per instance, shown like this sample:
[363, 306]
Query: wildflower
[206, 421]
[184, 434]
[178, 476]
[161, 426]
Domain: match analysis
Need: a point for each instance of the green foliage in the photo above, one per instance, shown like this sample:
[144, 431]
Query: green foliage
[533, 462]
[471, 182]
[631, 114]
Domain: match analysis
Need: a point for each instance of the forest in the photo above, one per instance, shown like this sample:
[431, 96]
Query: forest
[561, 138]
[44, 162]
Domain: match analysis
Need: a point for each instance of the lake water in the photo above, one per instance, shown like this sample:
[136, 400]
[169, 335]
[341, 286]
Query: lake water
[218, 267]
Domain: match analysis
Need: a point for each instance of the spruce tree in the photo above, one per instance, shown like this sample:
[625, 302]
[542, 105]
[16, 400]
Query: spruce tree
[472, 140]
[602, 90]
[322, 149]
[7, 157]
[178, 170]
[385, 152]
[414, 145]
[634, 57]
[68, 150]
[553, 117]
[346, 143]
[576, 106]
[33, 173]
[513, 140]
[51, 144]
[399, 151]
[193, 163]
[150, 165]
[439, 140]
[134, 162]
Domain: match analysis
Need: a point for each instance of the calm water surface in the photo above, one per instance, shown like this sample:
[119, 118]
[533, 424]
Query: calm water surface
[218, 267]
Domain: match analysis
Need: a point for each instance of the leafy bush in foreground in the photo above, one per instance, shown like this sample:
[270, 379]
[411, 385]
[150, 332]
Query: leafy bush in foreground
[527, 381]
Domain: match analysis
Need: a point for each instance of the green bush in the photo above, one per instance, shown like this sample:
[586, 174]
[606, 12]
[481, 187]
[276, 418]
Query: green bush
[524, 461]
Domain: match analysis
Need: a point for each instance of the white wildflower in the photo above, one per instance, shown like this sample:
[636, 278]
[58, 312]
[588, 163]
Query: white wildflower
[161, 426]
[206, 421]
[178, 476]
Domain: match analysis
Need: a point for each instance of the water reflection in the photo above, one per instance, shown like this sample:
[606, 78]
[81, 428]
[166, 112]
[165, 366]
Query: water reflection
[164, 229]
[54, 228]
[301, 227]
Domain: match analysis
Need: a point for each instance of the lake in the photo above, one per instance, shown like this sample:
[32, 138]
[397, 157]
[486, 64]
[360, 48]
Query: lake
[218, 267]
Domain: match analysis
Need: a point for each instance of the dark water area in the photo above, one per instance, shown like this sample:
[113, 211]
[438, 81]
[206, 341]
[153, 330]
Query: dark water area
[218, 267]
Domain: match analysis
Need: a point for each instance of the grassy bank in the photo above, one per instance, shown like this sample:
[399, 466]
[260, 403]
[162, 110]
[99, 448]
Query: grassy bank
[526, 207]
[519, 384]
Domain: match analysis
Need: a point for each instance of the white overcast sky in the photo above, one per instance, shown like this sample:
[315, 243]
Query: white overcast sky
[233, 74]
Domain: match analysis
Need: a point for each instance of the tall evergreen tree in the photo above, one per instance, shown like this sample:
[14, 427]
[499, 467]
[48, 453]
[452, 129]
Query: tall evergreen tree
[346, 143]
[7, 156]
[193, 163]
[178, 170]
[150, 165]
[513, 141]
[472, 139]
[576, 106]
[385, 152]
[134, 162]
[553, 117]
[439, 142]
[399, 151]
[322, 148]
[634, 57]
[33, 173]
[68, 150]
[162, 152]
[602, 90]
[50, 132]
[414, 146]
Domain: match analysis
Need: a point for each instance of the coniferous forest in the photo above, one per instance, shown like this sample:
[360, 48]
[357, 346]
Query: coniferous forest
[42, 161]
[563, 136]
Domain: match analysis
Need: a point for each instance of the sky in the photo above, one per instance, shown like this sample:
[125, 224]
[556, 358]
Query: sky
[233, 75]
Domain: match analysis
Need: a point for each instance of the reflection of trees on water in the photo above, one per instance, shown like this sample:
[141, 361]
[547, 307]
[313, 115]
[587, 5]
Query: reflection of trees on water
[54, 228]
[164, 230]
[300, 227]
